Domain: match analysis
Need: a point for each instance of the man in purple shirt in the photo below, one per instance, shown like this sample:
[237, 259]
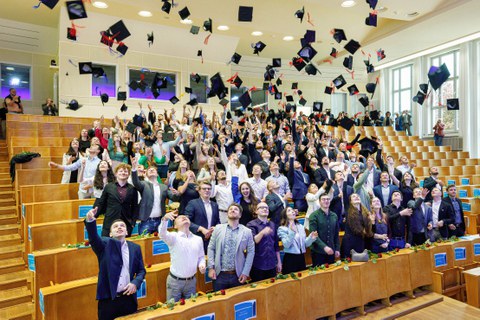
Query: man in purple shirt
[266, 262]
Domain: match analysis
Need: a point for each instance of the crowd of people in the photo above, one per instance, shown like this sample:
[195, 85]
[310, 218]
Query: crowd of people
[241, 180]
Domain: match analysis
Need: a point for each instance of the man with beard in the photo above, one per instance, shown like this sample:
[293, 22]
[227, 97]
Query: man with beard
[432, 182]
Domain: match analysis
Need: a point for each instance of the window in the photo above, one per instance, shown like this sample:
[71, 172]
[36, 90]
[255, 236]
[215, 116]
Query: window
[257, 96]
[356, 106]
[15, 76]
[402, 89]
[144, 78]
[235, 95]
[448, 90]
[338, 103]
[199, 90]
[106, 82]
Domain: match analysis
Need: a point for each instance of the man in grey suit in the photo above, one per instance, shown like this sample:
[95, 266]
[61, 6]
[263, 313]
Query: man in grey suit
[228, 265]
[154, 196]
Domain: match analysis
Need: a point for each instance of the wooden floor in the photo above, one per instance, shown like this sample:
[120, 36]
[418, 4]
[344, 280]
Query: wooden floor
[429, 306]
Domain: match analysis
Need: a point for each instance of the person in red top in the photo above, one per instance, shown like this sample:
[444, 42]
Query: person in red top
[438, 132]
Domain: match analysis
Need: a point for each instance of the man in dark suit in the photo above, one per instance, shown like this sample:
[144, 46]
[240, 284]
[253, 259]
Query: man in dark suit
[299, 181]
[323, 150]
[203, 214]
[182, 148]
[442, 215]
[276, 203]
[385, 189]
[324, 172]
[421, 219]
[121, 271]
[241, 156]
[389, 166]
[457, 228]
[119, 200]
[341, 198]
[432, 182]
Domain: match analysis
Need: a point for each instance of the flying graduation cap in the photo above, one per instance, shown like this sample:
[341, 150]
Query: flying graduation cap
[207, 25]
[76, 10]
[245, 14]
[258, 47]
[438, 75]
[334, 53]
[104, 98]
[372, 3]
[85, 68]
[339, 35]
[453, 104]
[184, 13]
[421, 94]
[49, 3]
[311, 69]
[371, 20]
[353, 90]
[307, 53]
[300, 13]
[348, 62]
[352, 46]
[150, 38]
[236, 58]
[166, 6]
[339, 82]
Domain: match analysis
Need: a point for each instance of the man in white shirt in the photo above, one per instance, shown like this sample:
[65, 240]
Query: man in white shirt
[186, 254]
[284, 186]
[258, 185]
[222, 192]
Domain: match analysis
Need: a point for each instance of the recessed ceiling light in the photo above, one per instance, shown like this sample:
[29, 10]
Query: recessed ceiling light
[145, 14]
[257, 33]
[382, 9]
[10, 68]
[223, 28]
[100, 5]
[186, 21]
[348, 3]
[288, 38]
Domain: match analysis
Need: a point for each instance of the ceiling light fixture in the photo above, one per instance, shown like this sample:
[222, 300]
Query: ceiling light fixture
[145, 14]
[223, 28]
[257, 33]
[186, 21]
[100, 5]
[288, 38]
[382, 9]
[348, 3]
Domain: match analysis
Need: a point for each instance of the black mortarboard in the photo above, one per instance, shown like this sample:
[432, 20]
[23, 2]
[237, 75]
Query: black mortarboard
[245, 99]
[193, 102]
[194, 29]
[142, 85]
[198, 120]
[424, 87]
[150, 38]
[274, 89]
[370, 67]
[174, 99]
[245, 14]
[278, 96]
[237, 82]
[307, 53]
[138, 120]
[371, 20]
[302, 101]
[166, 7]
[223, 102]
[236, 58]
[368, 146]
[207, 25]
[155, 93]
[279, 82]
[258, 47]
[104, 98]
[122, 48]
[453, 104]
[124, 108]
[352, 46]
[289, 107]
[328, 90]
[73, 105]
[372, 3]
[199, 53]
[370, 87]
[131, 127]
[217, 87]
[300, 13]
[339, 82]
[309, 36]
[76, 10]
[348, 62]
[334, 53]
[294, 85]
[133, 85]
[364, 101]
[277, 62]
[374, 115]
[85, 67]
[346, 123]
[121, 95]
[311, 69]
[50, 3]
[196, 77]
[184, 13]
[159, 82]
[269, 73]
[98, 72]
[353, 90]
[188, 90]
[438, 75]
[317, 106]
[298, 63]
[72, 34]
[119, 31]
[339, 35]
[289, 98]
[419, 97]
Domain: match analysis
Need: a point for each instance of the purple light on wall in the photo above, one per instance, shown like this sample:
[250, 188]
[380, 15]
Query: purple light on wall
[104, 88]
[24, 93]
[164, 94]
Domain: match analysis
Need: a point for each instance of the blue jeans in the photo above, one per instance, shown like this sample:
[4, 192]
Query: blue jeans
[151, 225]
[225, 281]
[396, 243]
[438, 140]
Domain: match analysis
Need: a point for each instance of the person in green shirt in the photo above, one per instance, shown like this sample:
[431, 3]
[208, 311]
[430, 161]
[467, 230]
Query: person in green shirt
[327, 246]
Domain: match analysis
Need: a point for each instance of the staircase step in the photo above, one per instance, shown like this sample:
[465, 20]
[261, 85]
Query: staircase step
[8, 219]
[7, 194]
[6, 188]
[5, 170]
[8, 210]
[12, 265]
[9, 252]
[15, 280]
[22, 311]
[7, 202]
[9, 240]
[14, 296]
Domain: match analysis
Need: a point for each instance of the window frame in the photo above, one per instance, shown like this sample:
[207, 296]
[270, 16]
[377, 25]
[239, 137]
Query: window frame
[151, 70]
[401, 90]
[101, 64]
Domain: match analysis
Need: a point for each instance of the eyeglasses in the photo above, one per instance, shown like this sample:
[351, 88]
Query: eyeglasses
[325, 199]
[262, 207]
[206, 189]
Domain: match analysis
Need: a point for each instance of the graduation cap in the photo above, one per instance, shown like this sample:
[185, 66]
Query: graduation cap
[290, 107]
[184, 13]
[277, 62]
[49, 3]
[193, 102]
[438, 75]
[245, 14]
[269, 73]
[138, 120]
[368, 146]
[245, 99]
[72, 34]
[150, 38]
[196, 77]
[279, 82]
[371, 20]
[381, 54]
[85, 67]
[372, 3]
[207, 25]
[453, 104]
[119, 31]
[353, 90]
[339, 82]
[419, 98]
[166, 7]
[346, 123]
[236, 58]
[76, 10]
[237, 82]
[294, 85]
[307, 53]
[317, 106]
[334, 53]
[73, 105]
[364, 101]
[302, 101]
[224, 102]
[194, 29]
[311, 69]
[424, 87]
[274, 89]
[370, 87]
[217, 87]
[289, 98]
[122, 48]
[370, 67]
[174, 100]
[348, 62]
[352, 46]
[278, 96]
[309, 36]
[121, 95]
[300, 13]
[104, 98]
[98, 72]
[298, 63]
[124, 108]
[258, 47]
[200, 53]
[133, 85]
[159, 82]
[142, 85]
[339, 35]
[374, 115]
[188, 90]
[328, 90]
[131, 127]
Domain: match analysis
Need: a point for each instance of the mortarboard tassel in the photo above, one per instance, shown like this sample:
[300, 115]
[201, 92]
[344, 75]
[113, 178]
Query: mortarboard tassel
[252, 89]
[309, 20]
[205, 42]
[38, 5]
[352, 73]
[232, 78]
